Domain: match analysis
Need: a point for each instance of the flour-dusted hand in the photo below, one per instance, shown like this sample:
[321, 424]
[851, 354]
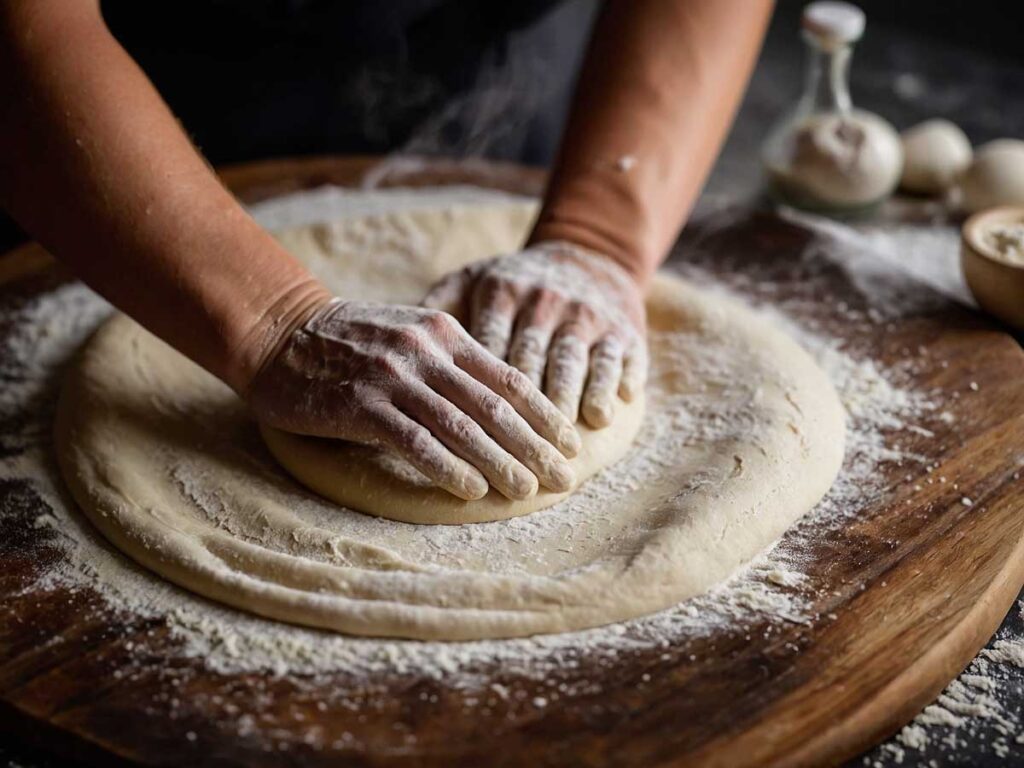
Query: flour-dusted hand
[414, 380]
[570, 319]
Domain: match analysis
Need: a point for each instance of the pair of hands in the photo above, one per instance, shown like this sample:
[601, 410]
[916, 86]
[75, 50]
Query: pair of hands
[567, 321]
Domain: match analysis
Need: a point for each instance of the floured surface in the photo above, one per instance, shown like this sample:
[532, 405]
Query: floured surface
[184, 664]
[885, 411]
[743, 435]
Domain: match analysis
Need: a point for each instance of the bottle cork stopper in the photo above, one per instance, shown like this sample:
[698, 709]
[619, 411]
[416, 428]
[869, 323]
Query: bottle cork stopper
[834, 23]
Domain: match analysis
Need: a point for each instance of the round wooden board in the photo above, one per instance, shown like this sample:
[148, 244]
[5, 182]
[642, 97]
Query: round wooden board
[907, 593]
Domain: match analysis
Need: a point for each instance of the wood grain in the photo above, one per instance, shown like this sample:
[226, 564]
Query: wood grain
[907, 594]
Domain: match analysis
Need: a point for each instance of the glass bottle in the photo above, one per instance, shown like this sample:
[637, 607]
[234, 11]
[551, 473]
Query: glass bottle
[824, 154]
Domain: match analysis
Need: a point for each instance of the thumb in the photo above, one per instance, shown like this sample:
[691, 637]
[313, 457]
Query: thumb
[451, 294]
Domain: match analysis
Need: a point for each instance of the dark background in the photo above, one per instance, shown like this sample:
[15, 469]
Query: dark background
[268, 78]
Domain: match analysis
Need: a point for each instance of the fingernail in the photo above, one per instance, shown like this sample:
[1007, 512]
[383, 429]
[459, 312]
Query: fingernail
[560, 476]
[598, 413]
[569, 442]
[522, 484]
[476, 486]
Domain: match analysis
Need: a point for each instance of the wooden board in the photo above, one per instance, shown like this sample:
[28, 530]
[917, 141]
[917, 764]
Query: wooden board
[907, 594]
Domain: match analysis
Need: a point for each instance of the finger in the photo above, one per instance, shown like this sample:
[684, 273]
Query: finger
[494, 308]
[634, 372]
[528, 350]
[467, 439]
[528, 401]
[449, 293]
[603, 382]
[414, 443]
[506, 427]
[567, 371]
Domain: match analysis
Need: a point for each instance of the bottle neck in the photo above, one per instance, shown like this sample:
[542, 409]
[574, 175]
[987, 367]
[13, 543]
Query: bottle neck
[825, 87]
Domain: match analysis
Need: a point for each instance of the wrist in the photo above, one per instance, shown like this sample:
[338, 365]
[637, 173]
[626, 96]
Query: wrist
[594, 242]
[269, 330]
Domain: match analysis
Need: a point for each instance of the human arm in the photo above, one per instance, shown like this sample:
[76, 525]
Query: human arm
[659, 86]
[94, 165]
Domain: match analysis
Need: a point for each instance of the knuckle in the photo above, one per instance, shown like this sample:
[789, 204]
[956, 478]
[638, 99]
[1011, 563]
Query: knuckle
[492, 406]
[379, 424]
[416, 439]
[528, 345]
[568, 373]
[408, 337]
[464, 430]
[492, 318]
[583, 313]
[386, 366]
[607, 350]
[515, 382]
[569, 345]
[438, 323]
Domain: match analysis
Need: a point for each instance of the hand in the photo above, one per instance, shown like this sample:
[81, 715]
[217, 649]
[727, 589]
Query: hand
[562, 315]
[413, 380]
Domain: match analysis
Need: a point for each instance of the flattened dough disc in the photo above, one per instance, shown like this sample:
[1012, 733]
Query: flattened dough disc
[379, 483]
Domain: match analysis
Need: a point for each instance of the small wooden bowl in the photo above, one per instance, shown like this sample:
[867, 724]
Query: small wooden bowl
[997, 284]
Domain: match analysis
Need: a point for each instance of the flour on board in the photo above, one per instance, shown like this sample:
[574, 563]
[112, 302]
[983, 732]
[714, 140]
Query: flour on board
[884, 413]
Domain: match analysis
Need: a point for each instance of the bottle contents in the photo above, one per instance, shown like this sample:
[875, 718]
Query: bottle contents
[838, 161]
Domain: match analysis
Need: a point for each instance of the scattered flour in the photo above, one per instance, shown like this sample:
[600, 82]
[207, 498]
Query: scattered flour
[922, 243]
[970, 706]
[48, 332]
[1009, 651]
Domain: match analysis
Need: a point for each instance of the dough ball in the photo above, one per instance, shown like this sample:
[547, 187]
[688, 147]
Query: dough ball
[935, 153]
[996, 177]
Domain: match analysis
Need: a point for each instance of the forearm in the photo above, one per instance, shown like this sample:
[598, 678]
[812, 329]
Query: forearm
[93, 164]
[659, 87]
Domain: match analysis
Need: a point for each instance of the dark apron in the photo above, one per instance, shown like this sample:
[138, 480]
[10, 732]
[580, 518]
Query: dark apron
[253, 79]
[260, 78]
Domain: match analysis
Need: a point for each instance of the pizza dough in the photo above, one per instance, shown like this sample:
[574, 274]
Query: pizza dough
[743, 435]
